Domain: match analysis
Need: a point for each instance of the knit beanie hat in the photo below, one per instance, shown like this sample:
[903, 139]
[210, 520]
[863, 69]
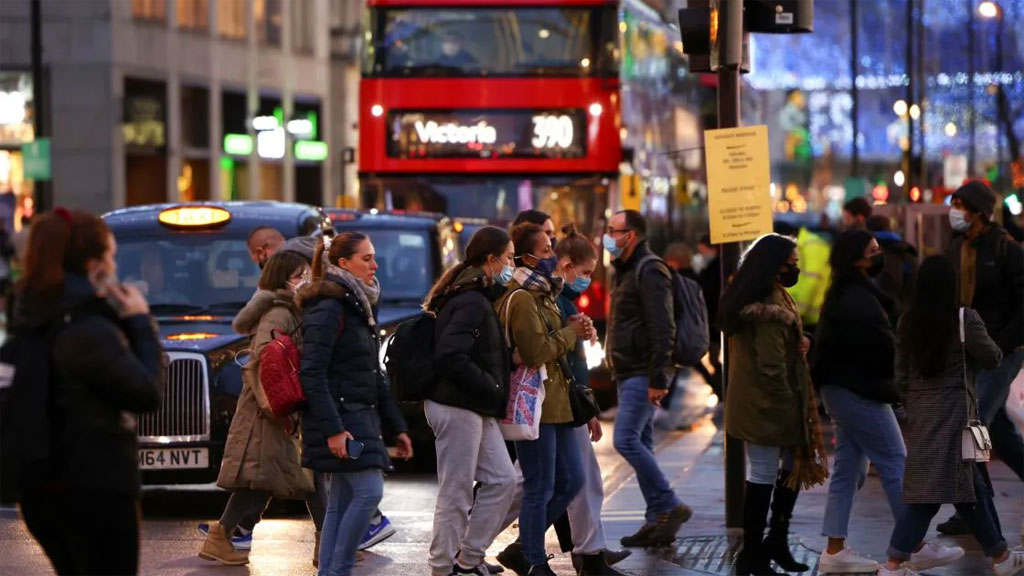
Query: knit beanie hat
[978, 197]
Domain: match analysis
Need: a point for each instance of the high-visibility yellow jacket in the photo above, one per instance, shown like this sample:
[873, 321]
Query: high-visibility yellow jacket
[809, 292]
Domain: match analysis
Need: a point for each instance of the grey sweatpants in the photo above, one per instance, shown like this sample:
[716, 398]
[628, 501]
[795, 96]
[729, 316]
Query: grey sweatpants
[470, 449]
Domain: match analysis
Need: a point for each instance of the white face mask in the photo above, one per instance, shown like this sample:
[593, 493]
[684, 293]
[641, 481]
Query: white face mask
[699, 263]
[958, 220]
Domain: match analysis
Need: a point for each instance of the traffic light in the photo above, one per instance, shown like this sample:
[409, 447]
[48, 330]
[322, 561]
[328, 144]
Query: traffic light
[706, 39]
[698, 27]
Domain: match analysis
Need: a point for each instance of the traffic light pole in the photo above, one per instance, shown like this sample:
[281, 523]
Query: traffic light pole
[39, 187]
[729, 117]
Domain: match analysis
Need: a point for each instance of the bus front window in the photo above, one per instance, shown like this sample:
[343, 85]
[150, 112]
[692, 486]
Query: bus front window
[414, 42]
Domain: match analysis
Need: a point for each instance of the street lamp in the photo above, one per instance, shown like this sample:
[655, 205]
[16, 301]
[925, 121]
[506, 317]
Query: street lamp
[993, 11]
[989, 9]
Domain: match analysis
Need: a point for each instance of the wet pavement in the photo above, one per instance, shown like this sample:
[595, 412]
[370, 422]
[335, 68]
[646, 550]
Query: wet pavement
[692, 459]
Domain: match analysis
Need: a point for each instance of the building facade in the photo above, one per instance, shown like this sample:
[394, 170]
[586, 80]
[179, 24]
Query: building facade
[176, 100]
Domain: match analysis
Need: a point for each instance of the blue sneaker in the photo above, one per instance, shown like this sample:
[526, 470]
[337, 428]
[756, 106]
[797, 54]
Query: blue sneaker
[380, 530]
[241, 538]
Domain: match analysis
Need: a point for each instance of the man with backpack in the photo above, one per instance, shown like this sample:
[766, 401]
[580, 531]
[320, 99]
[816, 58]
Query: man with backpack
[641, 346]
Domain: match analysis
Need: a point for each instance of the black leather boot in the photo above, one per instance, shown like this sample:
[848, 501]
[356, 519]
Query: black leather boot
[776, 546]
[752, 561]
[595, 565]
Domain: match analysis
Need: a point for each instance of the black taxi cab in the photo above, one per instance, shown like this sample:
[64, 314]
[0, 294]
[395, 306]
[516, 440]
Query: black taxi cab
[192, 262]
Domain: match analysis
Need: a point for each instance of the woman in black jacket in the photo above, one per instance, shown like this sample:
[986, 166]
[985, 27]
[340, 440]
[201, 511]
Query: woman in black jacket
[853, 361]
[346, 393]
[473, 366]
[95, 343]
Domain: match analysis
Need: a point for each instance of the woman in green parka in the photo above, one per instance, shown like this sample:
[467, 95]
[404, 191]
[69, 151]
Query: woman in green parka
[769, 400]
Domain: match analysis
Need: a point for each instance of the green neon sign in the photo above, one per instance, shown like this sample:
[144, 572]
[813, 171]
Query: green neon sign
[311, 150]
[238, 144]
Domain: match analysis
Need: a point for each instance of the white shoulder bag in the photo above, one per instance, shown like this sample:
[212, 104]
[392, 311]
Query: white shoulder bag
[976, 446]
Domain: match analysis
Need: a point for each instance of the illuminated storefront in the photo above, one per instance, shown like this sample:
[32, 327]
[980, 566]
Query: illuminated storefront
[16, 128]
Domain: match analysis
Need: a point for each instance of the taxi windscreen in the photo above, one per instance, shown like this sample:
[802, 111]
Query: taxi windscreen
[189, 274]
[406, 266]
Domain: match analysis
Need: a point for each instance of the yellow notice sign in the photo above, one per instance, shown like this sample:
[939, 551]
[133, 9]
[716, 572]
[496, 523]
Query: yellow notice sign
[739, 183]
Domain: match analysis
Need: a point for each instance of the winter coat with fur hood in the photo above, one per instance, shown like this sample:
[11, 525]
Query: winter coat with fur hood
[341, 377]
[263, 453]
[766, 399]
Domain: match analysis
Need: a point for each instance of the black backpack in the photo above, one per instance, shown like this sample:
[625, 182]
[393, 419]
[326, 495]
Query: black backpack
[410, 359]
[691, 314]
[26, 403]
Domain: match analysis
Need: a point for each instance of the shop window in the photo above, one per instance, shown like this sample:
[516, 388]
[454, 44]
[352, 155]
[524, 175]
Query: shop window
[267, 14]
[231, 19]
[194, 181]
[155, 10]
[195, 111]
[303, 36]
[193, 14]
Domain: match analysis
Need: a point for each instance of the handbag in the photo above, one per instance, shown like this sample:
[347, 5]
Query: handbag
[975, 443]
[525, 396]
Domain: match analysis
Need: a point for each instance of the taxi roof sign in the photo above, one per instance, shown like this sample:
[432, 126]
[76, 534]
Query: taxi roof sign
[194, 216]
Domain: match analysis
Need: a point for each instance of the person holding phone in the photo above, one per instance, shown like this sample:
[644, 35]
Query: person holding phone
[347, 395]
[80, 488]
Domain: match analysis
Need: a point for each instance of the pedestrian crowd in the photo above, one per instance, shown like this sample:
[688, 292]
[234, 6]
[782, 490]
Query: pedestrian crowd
[912, 365]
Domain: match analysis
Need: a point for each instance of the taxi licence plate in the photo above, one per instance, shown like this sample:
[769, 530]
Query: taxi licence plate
[173, 458]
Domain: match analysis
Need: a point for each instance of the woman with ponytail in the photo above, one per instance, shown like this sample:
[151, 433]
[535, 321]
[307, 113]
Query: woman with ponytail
[87, 359]
[580, 530]
[462, 409]
[347, 395]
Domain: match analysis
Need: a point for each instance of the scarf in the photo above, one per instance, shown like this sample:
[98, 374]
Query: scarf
[534, 281]
[810, 461]
[368, 295]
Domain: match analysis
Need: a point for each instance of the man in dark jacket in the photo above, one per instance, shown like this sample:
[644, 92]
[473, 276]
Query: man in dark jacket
[709, 276]
[641, 337]
[990, 268]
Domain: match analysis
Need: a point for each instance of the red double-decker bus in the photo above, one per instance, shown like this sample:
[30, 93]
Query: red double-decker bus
[479, 109]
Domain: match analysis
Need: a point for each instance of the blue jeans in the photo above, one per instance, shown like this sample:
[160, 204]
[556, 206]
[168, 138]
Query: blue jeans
[865, 431]
[763, 463]
[634, 440]
[993, 390]
[552, 476]
[980, 515]
[352, 499]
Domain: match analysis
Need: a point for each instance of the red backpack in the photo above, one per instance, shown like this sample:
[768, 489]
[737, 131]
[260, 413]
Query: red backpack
[279, 383]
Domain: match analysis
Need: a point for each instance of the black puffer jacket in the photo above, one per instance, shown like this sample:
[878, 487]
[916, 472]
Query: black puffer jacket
[342, 380]
[105, 369]
[641, 326]
[999, 284]
[854, 346]
[471, 355]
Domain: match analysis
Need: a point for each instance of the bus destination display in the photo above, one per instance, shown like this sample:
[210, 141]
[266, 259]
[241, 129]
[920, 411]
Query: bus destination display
[487, 134]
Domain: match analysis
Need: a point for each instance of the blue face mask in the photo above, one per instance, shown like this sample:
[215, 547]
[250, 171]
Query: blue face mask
[611, 246]
[546, 266]
[505, 276]
[580, 284]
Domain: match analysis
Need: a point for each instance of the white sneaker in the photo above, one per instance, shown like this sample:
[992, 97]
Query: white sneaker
[903, 570]
[845, 562]
[1014, 564]
[933, 555]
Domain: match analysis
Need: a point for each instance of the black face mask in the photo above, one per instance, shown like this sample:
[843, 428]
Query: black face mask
[877, 264]
[790, 276]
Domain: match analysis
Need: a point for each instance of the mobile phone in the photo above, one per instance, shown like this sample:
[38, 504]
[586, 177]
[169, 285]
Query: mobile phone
[354, 448]
[104, 281]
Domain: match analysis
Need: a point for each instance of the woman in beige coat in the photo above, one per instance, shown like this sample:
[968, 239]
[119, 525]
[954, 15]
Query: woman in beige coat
[262, 456]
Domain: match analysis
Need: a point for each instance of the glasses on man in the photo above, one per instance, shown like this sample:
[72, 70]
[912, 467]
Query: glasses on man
[613, 231]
